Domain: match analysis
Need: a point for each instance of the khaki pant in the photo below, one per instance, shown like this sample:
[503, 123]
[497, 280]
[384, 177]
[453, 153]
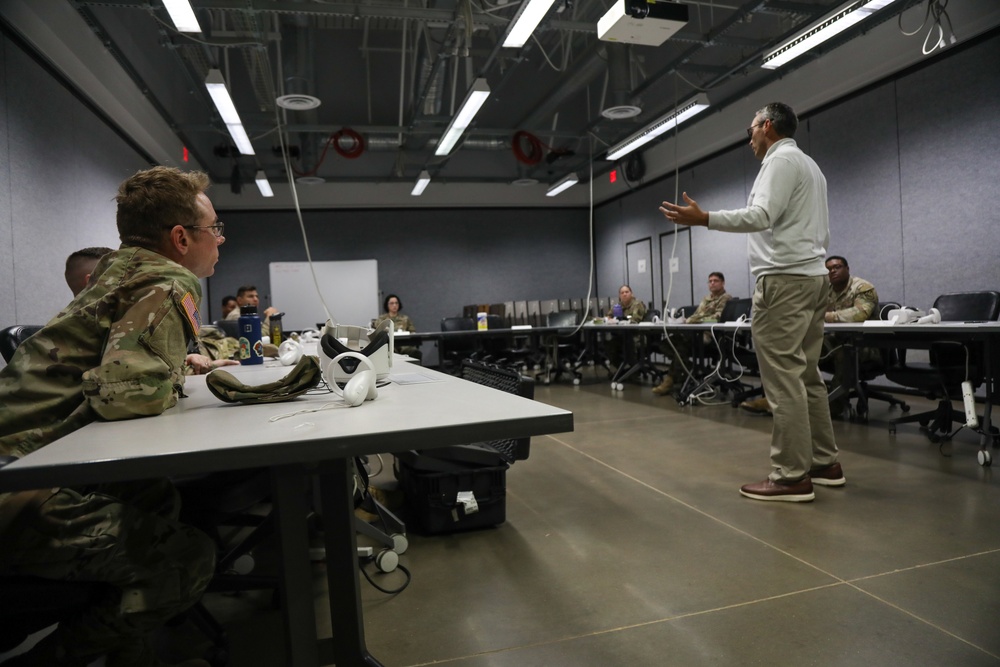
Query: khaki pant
[127, 536]
[787, 328]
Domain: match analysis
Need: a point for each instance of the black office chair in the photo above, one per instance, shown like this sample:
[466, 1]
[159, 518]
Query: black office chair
[229, 327]
[12, 337]
[452, 352]
[561, 351]
[871, 366]
[951, 363]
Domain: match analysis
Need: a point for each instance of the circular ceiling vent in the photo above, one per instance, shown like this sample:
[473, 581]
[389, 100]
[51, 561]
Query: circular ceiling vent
[310, 180]
[523, 182]
[298, 102]
[621, 112]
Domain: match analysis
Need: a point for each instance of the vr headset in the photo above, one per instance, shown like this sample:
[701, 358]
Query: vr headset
[376, 345]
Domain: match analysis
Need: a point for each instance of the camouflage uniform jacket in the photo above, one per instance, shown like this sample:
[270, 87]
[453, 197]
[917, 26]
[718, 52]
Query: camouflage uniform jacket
[399, 323]
[858, 302]
[116, 351]
[710, 308]
[635, 311]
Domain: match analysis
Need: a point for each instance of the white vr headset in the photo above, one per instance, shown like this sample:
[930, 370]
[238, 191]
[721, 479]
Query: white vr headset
[914, 316]
[375, 345]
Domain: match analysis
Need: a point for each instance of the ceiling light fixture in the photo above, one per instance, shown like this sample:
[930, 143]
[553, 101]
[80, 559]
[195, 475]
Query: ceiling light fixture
[525, 21]
[692, 107]
[182, 15]
[470, 107]
[262, 184]
[422, 182]
[216, 86]
[829, 26]
[565, 184]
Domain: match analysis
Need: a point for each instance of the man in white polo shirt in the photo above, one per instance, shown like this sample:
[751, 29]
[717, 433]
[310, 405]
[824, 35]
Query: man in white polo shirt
[787, 220]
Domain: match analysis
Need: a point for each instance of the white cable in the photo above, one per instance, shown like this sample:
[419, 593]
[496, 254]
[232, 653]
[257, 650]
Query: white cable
[325, 406]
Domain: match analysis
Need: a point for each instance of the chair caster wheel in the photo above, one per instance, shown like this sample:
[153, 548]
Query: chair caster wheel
[399, 543]
[620, 386]
[576, 381]
[904, 407]
[387, 560]
[985, 458]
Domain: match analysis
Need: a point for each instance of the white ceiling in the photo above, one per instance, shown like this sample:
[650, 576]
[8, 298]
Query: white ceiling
[393, 70]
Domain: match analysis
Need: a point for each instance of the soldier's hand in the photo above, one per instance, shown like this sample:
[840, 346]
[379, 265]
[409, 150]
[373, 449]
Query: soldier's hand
[201, 364]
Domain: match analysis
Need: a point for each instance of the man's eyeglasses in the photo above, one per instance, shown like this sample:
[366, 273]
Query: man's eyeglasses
[752, 127]
[218, 228]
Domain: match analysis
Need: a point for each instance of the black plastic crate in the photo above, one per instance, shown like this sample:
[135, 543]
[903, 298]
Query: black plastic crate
[432, 497]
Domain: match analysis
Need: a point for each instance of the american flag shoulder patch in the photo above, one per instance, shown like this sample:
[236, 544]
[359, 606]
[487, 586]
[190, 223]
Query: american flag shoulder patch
[191, 310]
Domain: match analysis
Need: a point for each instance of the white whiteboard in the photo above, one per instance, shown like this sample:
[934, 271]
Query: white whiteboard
[350, 290]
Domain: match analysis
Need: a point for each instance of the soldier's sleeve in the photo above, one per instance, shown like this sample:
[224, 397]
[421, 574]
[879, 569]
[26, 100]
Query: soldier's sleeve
[410, 326]
[700, 313]
[861, 309]
[142, 368]
[640, 311]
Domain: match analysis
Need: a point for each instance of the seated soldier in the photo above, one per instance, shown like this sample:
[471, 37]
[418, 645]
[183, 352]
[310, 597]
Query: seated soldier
[633, 311]
[247, 295]
[851, 299]
[91, 362]
[678, 346]
[79, 266]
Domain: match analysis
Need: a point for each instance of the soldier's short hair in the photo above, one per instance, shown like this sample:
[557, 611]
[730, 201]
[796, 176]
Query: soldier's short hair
[717, 274]
[243, 289]
[152, 201]
[82, 254]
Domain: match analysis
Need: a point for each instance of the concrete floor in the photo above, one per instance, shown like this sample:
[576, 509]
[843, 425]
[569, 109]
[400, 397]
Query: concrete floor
[627, 543]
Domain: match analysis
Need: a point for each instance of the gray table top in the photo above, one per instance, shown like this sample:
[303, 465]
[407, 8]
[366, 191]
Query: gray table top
[203, 434]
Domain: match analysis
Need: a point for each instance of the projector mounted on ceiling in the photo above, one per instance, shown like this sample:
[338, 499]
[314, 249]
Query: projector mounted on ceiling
[642, 22]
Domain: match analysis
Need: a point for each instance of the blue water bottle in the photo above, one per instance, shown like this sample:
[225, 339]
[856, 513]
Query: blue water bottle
[251, 347]
[616, 311]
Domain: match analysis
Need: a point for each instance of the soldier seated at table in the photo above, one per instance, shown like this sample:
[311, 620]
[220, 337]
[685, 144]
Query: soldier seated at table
[633, 311]
[678, 346]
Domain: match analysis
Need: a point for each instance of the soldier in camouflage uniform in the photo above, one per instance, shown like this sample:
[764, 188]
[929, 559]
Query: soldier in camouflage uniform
[117, 351]
[633, 311]
[851, 299]
[679, 345]
[400, 322]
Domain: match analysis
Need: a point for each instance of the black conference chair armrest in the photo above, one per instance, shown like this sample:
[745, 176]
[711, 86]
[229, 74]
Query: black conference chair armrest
[4, 460]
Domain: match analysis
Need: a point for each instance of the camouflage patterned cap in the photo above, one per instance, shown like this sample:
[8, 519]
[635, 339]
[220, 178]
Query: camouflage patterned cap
[302, 377]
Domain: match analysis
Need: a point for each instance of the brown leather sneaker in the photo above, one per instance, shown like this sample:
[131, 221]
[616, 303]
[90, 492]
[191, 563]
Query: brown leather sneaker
[758, 406]
[791, 492]
[664, 387]
[831, 475]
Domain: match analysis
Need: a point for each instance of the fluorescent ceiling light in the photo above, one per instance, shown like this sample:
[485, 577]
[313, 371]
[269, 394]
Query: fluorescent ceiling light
[829, 26]
[262, 184]
[182, 15]
[565, 184]
[527, 19]
[470, 107]
[216, 86]
[692, 107]
[422, 181]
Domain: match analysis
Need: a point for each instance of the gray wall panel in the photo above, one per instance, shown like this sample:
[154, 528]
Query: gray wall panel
[436, 261]
[863, 186]
[949, 129]
[8, 302]
[60, 199]
[912, 174]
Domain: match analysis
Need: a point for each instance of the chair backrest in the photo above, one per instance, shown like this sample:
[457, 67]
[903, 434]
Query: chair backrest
[534, 314]
[229, 327]
[12, 337]
[650, 314]
[966, 306]
[549, 306]
[458, 324]
[734, 308]
[510, 381]
[495, 322]
[520, 312]
[562, 319]
[470, 311]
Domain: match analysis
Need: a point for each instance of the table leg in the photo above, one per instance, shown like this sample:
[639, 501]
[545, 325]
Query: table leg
[336, 490]
[291, 507]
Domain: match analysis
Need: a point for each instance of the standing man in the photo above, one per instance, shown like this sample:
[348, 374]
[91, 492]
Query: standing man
[117, 351]
[787, 220]
[678, 346]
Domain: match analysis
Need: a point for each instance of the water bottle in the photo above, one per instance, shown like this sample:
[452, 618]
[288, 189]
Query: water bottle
[616, 311]
[251, 347]
[276, 333]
